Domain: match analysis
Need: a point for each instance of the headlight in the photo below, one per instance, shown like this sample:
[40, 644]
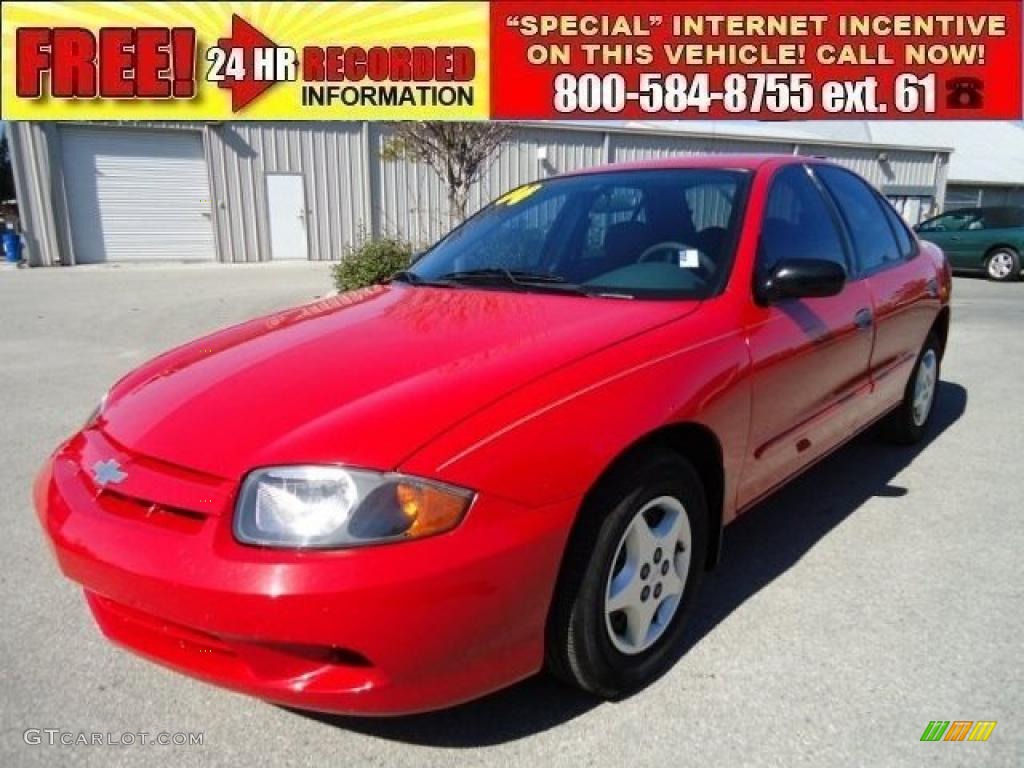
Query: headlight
[329, 507]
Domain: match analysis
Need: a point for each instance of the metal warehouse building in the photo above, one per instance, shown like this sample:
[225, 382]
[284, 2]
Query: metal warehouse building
[256, 191]
[986, 168]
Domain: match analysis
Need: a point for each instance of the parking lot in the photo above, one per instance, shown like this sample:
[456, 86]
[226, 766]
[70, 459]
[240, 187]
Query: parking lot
[880, 591]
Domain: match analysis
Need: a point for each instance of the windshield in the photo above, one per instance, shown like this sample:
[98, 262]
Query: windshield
[639, 234]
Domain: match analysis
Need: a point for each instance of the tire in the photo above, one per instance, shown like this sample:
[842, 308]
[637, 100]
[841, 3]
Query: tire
[604, 652]
[909, 422]
[1003, 265]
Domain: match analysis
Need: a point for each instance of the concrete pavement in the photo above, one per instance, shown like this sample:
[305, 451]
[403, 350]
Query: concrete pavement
[880, 591]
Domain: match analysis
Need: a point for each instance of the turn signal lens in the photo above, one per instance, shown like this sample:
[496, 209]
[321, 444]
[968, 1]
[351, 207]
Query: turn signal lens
[430, 509]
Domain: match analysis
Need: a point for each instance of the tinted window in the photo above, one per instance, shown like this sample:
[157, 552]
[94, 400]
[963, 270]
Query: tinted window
[872, 237]
[797, 222]
[652, 233]
[954, 221]
[1002, 218]
[899, 227]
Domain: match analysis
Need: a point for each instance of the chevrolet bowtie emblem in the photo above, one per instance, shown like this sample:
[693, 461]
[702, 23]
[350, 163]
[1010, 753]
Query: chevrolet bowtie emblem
[108, 471]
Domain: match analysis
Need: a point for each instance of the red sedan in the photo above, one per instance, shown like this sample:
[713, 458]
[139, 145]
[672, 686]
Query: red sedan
[520, 452]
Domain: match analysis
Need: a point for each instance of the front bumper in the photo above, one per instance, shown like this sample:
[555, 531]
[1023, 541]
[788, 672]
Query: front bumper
[389, 629]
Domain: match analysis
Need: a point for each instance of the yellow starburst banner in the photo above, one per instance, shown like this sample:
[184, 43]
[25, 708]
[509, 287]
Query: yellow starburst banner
[245, 60]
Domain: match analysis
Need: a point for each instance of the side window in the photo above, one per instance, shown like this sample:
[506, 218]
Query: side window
[797, 222]
[950, 222]
[872, 237]
[899, 228]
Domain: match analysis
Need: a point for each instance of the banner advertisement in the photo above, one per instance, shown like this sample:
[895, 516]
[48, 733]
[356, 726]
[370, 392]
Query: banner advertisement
[512, 59]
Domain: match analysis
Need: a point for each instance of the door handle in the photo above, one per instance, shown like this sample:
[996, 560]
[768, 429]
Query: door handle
[863, 319]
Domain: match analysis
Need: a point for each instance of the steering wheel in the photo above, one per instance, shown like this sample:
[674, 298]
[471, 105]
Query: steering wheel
[707, 266]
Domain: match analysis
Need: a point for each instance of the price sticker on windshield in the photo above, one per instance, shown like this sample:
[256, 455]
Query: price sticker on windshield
[689, 258]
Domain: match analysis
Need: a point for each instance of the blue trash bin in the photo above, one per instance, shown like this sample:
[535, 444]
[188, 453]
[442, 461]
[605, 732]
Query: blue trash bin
[12, 246]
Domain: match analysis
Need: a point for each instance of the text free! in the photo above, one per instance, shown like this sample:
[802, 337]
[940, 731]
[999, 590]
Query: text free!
[119, 62]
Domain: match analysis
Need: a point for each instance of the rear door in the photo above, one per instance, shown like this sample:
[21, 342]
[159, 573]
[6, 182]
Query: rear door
[809, 356]
[903, 286]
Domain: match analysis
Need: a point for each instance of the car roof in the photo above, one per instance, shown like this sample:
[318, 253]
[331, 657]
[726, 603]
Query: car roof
[725, 162]
[984, 209]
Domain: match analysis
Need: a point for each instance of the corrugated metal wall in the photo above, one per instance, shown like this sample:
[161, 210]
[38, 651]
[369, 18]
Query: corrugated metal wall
[630, 147]
[411, 197]
[333, 164]
[36, 188]
[969, 195]
[902, 167]
[351, 190]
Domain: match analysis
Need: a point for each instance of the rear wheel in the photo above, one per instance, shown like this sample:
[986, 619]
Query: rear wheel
[1003, 264]
[909, 421]
[631, 571]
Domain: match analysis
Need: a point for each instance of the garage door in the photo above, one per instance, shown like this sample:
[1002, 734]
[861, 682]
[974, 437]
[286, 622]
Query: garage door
[137, 195]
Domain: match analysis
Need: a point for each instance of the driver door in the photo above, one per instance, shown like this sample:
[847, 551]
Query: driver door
[810, 357]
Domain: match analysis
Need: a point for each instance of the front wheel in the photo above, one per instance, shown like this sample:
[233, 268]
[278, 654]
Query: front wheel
[909, 421]
[1003, 265]
[630, 575]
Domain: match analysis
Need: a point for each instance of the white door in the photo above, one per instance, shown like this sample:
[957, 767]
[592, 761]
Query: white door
[137, 195]
[286, 210]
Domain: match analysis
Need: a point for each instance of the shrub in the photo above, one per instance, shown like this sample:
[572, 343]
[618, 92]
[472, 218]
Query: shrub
[371, 262]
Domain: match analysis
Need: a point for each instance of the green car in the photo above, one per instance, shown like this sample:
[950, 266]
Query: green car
[980, 239]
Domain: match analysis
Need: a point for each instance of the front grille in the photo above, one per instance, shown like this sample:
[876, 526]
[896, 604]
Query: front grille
[180, 520]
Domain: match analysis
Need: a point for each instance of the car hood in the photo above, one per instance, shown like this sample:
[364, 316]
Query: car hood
[364, 378]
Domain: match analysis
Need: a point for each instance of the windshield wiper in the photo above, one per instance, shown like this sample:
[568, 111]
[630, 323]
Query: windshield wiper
[520, 279]
[410, 277]
[511, 275]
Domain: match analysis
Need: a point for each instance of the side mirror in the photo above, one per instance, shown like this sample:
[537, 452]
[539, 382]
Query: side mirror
[801, 279]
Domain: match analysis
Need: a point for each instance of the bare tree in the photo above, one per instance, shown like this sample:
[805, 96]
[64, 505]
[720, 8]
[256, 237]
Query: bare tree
[458, 152]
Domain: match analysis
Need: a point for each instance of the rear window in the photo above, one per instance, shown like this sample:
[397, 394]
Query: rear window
[1003, 218]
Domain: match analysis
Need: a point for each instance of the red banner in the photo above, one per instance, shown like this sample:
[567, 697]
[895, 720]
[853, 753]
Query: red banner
[878, 59]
